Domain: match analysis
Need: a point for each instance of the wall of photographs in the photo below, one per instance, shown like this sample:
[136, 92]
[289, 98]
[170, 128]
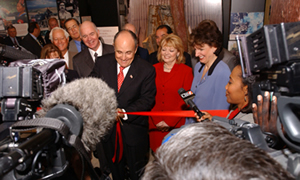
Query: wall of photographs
[20, 12]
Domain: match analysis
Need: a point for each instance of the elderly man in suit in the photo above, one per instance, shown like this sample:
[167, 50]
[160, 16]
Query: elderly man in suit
[60, 38]
[72, 26]
[84, 61]
[142, 52]
[11, 39]
[133, 80]
[31, 41]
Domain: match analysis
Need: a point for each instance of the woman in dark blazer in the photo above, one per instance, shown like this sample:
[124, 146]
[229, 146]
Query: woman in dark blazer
[171, 75]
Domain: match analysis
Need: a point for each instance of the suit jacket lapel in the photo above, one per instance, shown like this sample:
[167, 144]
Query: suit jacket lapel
[88, 60]
[71, 55]
[104, 49]
[113, 77]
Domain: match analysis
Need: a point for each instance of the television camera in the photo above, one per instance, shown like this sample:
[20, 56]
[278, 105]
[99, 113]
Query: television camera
[272, 54]
[36, 148]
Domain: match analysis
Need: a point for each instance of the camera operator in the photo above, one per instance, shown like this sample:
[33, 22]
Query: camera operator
[209, 151]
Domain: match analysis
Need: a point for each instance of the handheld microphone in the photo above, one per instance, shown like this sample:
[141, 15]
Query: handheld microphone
[188, 97]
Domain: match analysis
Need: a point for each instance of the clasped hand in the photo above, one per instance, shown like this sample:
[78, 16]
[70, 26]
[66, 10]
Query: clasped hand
[162, 126]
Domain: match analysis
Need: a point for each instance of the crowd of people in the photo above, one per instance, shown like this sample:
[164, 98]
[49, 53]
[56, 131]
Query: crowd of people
[150, 82]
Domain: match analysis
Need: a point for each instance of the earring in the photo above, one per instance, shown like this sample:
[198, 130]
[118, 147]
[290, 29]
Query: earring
[245, 99]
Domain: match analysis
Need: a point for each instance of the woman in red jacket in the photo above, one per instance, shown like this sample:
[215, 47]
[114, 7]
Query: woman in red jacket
[171, 75]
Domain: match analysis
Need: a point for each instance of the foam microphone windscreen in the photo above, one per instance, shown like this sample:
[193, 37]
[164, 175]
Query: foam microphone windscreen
[95, 101]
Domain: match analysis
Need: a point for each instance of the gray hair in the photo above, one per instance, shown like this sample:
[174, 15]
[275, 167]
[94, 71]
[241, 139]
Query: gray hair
[58, 28]
[208, 151]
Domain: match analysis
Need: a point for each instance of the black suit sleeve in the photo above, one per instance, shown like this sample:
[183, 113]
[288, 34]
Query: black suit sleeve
[48, 41]
[153, 58]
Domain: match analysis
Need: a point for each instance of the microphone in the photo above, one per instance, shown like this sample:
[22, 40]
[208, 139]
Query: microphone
[15, 54]
[188, 97]
[95, 101]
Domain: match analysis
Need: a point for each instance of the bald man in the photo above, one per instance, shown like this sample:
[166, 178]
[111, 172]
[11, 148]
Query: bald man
[84, 61]
[142, 52]
[135, 93]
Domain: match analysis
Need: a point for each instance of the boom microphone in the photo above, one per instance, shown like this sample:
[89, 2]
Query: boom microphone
[95, 101]
[188, 97]
[15, 54]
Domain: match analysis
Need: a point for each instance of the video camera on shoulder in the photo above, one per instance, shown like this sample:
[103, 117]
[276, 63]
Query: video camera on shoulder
[273, 53]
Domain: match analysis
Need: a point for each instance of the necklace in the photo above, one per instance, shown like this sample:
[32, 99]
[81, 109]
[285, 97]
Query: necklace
[169, 69]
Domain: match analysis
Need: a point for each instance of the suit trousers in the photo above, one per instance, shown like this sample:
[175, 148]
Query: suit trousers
[134, 159]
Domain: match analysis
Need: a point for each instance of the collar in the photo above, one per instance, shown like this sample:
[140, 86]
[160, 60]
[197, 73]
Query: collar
[213, 66]
[77, 42]
[125, 70]
[99, 50]
[33, 36]
[235, 112]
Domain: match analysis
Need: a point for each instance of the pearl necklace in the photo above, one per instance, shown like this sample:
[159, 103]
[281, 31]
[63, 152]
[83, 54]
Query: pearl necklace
[169, 69]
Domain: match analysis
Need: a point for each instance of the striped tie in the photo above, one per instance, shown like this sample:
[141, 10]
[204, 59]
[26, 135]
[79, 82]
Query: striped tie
[120, 78]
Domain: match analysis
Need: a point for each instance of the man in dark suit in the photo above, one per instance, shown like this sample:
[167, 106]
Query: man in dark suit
[31, 41]
[11, 39]
[136, 93]
[142, 52]
[84, 61]
[161, 31]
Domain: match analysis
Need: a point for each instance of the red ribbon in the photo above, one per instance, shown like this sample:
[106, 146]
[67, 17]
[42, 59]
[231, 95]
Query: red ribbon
[190, 113]
[221, 113]
[118, 136]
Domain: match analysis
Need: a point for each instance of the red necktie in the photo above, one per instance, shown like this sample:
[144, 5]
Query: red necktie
[15, 42]
[120, 78]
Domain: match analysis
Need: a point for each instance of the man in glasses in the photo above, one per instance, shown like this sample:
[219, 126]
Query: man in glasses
[72, 27]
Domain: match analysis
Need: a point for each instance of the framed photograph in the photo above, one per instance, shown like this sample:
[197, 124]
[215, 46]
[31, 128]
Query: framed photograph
[244, 23]
[13, 12]
[68, 9]
[40, 11]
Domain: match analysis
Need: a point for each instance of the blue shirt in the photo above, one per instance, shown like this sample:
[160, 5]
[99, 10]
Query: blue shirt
[210, 93]
[78, 45]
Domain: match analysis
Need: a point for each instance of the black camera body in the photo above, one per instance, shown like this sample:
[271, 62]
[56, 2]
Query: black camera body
[21, 92]
[272, 54]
